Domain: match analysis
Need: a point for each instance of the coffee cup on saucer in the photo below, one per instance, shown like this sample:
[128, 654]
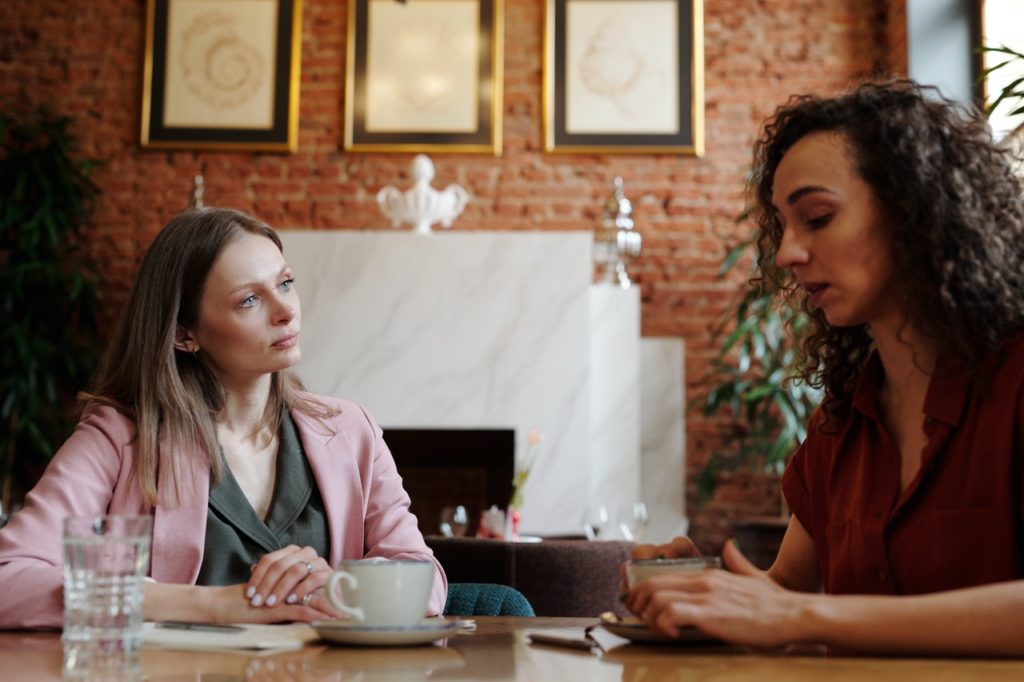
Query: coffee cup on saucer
[641, 569]
[382, 592]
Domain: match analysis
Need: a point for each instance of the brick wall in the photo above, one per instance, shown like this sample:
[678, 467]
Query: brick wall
[85, 58]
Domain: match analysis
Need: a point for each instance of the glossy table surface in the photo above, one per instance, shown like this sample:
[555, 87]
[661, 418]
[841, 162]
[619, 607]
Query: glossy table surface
[499, 650]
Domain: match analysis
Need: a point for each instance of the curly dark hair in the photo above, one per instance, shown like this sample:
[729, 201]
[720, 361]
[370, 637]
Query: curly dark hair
[955, 215]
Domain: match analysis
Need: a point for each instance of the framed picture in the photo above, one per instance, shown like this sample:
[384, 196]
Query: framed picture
[424, 75]
[624, 76]
[222, 74]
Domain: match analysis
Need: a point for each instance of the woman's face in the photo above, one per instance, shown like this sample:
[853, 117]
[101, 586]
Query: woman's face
[834, 236]
[249, 314]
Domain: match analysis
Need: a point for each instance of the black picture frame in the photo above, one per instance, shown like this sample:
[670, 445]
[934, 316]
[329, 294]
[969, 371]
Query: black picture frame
[412, 129]
[679, 59]
[230, 87]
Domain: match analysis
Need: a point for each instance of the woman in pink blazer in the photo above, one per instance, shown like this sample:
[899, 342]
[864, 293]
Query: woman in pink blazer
[256, 487]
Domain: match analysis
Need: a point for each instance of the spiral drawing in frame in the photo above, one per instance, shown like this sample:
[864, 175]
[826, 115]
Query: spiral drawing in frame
[219, 66]
[222, 74]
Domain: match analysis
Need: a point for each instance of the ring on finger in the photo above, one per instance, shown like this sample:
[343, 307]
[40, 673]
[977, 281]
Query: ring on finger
[309, 567]
[308, 598]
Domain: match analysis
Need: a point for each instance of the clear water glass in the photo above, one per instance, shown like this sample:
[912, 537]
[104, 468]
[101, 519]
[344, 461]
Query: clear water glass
[106, 559]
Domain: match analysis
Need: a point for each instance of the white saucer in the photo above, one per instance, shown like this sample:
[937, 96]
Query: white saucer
[346, 632]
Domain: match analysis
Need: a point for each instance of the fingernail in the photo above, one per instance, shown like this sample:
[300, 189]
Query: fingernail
[271, 600]
[257, 600]
[292, 598]
[249, 592]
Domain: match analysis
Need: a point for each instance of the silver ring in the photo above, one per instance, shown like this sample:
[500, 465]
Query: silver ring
[308, 598]
[309, 566]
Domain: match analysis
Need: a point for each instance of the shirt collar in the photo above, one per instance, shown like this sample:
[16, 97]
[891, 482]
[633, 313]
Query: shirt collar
[944, 402]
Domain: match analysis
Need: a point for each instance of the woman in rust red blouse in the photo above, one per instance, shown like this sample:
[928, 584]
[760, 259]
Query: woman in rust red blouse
[891, 218]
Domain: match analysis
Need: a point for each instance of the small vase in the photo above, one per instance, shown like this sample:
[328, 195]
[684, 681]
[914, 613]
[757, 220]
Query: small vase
[512, 524]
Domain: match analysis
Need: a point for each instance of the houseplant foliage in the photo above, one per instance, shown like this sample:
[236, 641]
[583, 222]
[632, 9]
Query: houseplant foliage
[753, 380]
[48, 290]
[1013, 94]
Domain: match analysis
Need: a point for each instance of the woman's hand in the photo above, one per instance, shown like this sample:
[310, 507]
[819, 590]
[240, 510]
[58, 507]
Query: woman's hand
[224, 604]
[290, 576]
[741, 605]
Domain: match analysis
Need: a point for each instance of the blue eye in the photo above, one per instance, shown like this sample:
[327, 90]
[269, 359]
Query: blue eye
[287, 284]
[248, 302]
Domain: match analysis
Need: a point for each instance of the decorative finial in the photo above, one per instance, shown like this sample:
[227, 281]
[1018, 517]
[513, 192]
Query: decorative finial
[422, 205]
[615, 241]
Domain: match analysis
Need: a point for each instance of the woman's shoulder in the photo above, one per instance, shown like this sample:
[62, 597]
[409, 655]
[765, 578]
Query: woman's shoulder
[333, 412]
[108, 418]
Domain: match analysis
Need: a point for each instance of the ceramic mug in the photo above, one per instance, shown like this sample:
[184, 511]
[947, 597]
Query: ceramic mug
[642, 569]
[382, 592]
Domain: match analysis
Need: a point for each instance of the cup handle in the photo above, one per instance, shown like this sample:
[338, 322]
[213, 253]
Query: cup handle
[335, 597]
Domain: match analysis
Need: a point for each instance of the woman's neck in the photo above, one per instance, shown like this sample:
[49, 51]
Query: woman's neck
[907, 358]
[244, 407]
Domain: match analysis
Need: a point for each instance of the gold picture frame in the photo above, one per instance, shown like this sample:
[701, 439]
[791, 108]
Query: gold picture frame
[624, 76]
[424, 76]
[222, 75]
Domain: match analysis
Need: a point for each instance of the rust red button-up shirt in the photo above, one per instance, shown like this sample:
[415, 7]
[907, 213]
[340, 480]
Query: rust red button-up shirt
[960, 521]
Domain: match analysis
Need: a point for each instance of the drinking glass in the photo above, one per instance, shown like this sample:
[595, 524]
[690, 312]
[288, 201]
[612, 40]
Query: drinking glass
[633, 528]
[106, 559]
[597, 518]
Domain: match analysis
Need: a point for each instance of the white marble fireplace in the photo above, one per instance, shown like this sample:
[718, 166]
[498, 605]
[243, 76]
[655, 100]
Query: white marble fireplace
[495, 329]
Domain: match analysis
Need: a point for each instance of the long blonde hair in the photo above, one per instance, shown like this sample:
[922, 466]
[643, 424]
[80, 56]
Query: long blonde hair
[173, 396]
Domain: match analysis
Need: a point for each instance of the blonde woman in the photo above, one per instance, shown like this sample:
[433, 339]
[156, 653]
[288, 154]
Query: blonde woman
[256, 487]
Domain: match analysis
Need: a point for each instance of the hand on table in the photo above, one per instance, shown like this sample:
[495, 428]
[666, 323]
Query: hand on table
[741, 604]
[291, 577]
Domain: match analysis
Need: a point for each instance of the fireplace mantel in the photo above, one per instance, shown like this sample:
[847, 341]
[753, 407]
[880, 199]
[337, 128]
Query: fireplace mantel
[484, 329]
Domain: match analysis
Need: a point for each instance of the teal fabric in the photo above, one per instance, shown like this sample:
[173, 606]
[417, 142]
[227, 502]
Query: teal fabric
[236, 537]
[485, 599]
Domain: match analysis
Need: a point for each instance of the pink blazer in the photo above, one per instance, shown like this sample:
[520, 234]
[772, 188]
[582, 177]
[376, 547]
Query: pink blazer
[367, 508]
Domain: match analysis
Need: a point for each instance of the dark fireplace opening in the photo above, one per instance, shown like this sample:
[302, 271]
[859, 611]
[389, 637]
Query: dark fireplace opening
[448, 467]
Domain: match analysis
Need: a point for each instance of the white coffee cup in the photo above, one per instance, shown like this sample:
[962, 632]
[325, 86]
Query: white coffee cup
[640, 570]
[382, 592]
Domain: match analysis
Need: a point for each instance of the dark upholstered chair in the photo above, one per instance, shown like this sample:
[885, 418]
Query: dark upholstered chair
[485, 599]
[557, 577]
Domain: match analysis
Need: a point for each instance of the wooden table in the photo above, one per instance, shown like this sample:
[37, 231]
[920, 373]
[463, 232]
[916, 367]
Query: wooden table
[498, 650]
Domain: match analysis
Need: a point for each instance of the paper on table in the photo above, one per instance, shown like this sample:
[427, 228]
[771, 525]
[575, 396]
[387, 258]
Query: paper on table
[279, 637]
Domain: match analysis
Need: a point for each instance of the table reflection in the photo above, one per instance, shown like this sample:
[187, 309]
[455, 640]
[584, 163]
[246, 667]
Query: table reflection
[498, 650]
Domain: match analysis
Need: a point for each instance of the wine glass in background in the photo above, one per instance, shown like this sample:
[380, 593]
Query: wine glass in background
[597, 518]
[454, 521]
[633, 529]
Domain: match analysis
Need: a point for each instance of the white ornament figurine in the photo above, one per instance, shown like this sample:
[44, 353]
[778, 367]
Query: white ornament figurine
[422, 205]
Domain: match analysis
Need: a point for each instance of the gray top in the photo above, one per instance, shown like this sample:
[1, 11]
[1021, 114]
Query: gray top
[236, 537]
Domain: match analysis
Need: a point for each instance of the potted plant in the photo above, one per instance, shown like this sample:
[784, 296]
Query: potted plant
[1013, 94]
[753, 380]
[48, 291]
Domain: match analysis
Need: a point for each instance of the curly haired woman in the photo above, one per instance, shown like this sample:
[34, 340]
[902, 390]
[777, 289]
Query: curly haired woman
[890, 217]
